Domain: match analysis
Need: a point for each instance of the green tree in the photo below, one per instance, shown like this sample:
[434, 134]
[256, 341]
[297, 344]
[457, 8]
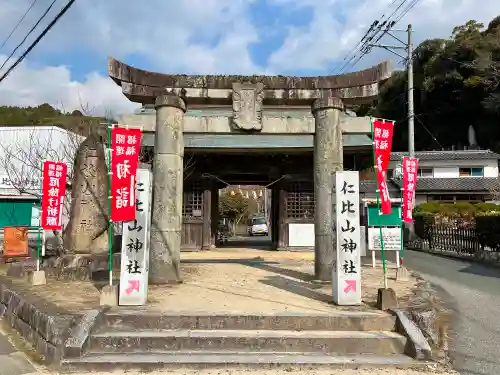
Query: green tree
[233, 206]
[456, 84]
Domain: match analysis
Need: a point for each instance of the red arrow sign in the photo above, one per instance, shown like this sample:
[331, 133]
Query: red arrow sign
[132, 285]
[350, 286]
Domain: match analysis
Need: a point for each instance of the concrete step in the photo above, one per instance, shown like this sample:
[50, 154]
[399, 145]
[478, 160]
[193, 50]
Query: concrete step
[340, 342]
[122, 319]
[155, 360]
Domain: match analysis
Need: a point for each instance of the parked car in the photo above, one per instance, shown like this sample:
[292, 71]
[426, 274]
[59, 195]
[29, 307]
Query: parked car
[257, 226]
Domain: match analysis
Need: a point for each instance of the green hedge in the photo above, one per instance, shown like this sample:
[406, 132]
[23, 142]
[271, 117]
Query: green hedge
[456, 209]
[485, 216]
[423, 222]
[488, 229]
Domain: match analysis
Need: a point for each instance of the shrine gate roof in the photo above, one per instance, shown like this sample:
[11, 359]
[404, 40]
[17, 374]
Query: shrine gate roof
[143, 86]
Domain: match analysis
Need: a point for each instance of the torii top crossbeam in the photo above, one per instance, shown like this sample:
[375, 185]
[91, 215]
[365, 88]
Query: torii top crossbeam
[143, 86]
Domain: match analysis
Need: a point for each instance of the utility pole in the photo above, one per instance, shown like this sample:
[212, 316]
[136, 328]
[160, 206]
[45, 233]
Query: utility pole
[411, 108]
[408, 47]
[402, 273]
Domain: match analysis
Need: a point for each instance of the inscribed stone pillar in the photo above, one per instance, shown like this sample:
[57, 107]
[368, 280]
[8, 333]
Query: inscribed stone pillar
[166, 220]
[87, 230]
[328, 158]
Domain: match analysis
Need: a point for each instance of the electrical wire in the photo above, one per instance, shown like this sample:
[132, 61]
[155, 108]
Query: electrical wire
[407, 10]
[362, 44]
[365, 36]
[28, 34]
[39, 38]
[19, 23]
[365, 47]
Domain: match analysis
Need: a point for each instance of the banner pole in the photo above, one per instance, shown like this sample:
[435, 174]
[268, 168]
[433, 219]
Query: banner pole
[40, 226]
[110, 223]
[384, 263]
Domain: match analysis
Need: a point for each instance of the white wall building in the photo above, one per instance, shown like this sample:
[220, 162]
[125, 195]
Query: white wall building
[22, 152]
[452, 176]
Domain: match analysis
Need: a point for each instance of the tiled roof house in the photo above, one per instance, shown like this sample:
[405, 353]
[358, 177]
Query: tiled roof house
[451, 176]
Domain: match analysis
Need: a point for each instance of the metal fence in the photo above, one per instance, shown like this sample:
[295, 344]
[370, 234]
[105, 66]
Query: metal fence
[463, 240]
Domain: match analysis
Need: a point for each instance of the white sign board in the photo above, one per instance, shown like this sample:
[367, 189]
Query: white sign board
[346, 280]
[301, 235]
[134, 268]
[36, 213]
[391, 236]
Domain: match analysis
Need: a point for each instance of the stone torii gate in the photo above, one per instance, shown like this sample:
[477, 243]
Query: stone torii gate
[248, 96]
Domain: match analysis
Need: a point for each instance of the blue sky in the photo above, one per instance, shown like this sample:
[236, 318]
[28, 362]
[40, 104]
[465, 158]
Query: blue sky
[291, 37]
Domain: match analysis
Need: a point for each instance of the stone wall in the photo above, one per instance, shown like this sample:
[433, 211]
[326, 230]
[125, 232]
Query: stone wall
[68, 267]
[485, 256]
[41, 324]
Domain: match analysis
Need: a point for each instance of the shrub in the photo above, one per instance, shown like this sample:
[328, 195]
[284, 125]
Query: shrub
[454, 210]
[428, 207]
[488, 229]
[462, 208]
[423, 223]
[487, 207]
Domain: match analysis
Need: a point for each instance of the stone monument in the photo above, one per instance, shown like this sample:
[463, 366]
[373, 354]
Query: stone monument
[87, 230]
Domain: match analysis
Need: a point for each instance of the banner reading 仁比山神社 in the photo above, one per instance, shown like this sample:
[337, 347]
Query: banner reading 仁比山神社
[125, 149]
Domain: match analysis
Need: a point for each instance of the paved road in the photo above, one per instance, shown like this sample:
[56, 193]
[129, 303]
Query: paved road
[13, 362]
[473, 291]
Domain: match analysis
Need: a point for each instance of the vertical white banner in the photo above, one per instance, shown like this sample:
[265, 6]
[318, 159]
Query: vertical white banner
[346, 275]
[134, 267]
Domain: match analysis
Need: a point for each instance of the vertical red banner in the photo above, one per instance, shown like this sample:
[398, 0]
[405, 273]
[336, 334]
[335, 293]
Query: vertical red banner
[382, 143]
[53, 193]
[125, 149]
[382, 137]
[410, 175]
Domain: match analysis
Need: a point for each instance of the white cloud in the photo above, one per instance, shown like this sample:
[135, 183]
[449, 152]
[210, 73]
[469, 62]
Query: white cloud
[31, 86]
[186, 36]
[189, 36]
[324, 40]
[199, 36]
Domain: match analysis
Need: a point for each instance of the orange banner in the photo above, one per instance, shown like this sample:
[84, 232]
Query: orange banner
[15, 242]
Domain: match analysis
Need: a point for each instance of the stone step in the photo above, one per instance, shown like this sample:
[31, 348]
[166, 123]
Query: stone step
[349, 321]
[155, 360]
[340, 342]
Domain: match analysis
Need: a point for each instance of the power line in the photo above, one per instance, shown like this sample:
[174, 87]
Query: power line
[370, 29]
[20, 21]
[407, 10]
[28, 34]
[40, 37]
[427, 130]
[383, 28]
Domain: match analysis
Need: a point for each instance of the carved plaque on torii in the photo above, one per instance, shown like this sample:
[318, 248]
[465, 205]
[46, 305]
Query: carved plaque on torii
[247, 105]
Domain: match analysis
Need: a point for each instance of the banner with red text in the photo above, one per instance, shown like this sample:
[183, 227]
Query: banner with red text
[382, 143]
[125, 149]
[385, 198]
[53, 193]
[410, 169]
